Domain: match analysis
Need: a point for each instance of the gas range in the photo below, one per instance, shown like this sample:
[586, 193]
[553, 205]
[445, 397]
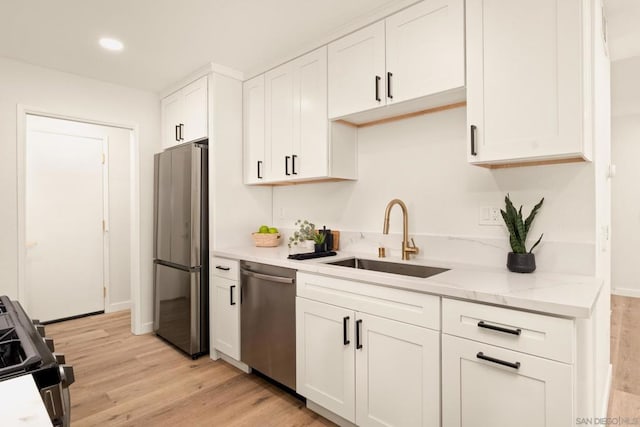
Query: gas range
[24, 350]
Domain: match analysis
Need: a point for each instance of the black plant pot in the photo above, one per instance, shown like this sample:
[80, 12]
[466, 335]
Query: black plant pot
[319, 248]
[521, 263]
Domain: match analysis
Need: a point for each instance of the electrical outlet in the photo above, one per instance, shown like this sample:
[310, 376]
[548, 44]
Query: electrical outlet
[489, 216]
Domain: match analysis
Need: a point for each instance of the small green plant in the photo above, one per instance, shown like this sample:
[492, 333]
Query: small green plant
[519, 228]
[319, 238]
[306, 231]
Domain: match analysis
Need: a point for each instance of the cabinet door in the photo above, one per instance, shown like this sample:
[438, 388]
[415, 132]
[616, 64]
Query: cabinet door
[397, 374]
[195, 110]
[325, 357]
[477, 392]
[171, 118]
[524, 79]
[356, 69]
[310, 124]
[253, 121]
[425, 49]
[279, 120]
[225, 299]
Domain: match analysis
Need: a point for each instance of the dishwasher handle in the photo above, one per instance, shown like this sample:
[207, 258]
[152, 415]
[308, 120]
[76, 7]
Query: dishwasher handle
[270, 278]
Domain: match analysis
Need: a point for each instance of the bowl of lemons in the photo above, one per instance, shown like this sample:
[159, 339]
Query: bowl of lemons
[266, 237]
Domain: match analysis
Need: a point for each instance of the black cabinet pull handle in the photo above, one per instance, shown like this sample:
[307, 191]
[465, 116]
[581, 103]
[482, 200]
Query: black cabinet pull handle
[286, 165]
[378, 88]
[358, 326]
[481, 355]
[389, 95]
[293, 164]
[223, 268]
[181, 130]
[177, 132]
[231, 301]
[481, 324]
[474, 131]
[345, 325]
[259, 172]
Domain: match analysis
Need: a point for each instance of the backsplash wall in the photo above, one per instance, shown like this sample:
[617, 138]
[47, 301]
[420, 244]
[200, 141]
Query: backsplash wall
[422, 160]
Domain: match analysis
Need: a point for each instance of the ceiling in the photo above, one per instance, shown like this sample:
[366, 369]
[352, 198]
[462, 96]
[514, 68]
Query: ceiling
[623, 18]
[165, 40]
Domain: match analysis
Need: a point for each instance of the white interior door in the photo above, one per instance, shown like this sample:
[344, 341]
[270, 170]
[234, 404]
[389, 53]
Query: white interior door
[65, 209]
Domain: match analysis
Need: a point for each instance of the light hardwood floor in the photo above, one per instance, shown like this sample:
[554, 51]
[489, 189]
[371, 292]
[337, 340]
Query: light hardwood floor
[122, 379]
[127, 380]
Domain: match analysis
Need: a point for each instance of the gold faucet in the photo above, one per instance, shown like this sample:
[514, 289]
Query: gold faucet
[406, 249]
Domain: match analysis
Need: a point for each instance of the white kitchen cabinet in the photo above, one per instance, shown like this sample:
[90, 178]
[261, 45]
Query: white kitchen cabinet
[508, 389]
[299, 143]
[279, 108]
[425, 49]
[397, 373]
[529, 81]
[325, 357]
[356, 66]
[185, 114]
[224, 295]
[368, 369]
[254, 131]
[412, 55]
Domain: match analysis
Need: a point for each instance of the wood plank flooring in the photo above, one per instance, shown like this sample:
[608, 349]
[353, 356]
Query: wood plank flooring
[625, 356]
[127, 380]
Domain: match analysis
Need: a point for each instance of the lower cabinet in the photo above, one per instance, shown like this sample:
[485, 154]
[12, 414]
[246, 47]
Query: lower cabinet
[485, 385]
[367, 369]
[225, 298]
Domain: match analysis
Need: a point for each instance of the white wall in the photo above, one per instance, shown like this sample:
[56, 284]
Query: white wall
[625, 152]
[422, 160]
[76, 96]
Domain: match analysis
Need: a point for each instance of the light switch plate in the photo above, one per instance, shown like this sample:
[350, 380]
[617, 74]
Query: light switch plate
[489, 216]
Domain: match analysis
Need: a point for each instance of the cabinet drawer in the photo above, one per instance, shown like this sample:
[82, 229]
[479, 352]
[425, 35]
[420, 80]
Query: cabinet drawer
[396, 304]
[536, 334]
[225, 268]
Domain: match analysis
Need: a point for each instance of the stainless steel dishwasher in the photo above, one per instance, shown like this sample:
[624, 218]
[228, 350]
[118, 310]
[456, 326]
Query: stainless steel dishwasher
[268, 321]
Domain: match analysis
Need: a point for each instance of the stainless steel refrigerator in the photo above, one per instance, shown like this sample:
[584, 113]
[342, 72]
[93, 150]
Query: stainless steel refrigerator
[181, 249]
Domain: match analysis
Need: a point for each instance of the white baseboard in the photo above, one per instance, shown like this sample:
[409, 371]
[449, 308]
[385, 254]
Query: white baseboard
[626, 292]
[118, 306]
[243, 367]
[146, 328]
[337, 419]
[607, 392]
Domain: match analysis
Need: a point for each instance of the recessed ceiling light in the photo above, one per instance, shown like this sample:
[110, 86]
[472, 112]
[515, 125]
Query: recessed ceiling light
[111, 44]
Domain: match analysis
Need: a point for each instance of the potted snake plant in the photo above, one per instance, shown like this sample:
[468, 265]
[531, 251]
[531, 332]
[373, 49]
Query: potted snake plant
[520, 260]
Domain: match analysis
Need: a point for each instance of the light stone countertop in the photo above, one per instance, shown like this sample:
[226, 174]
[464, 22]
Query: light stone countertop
[21, 404]
[563, 295]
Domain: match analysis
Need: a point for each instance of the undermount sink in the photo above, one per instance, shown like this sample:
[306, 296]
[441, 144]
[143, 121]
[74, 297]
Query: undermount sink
[413, 270]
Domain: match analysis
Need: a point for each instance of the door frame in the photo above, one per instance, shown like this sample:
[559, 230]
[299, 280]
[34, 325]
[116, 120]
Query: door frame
[134, 210]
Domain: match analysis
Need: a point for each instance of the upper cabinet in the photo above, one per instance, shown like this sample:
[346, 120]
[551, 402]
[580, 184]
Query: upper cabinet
[185, 114]
[399, 63]
[528, 81]
[288, 137]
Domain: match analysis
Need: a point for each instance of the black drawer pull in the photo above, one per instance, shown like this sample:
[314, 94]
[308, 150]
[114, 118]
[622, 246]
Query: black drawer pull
[231, 301]
[259, 169]
[181, 130]
[345, 327]
[515, 365]
[378, 88]
[389, 95]
[481, 324]
[293, 164]
[177, 132]
[474, 131]
[358, 326]
[286, 165]
[223, 268]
